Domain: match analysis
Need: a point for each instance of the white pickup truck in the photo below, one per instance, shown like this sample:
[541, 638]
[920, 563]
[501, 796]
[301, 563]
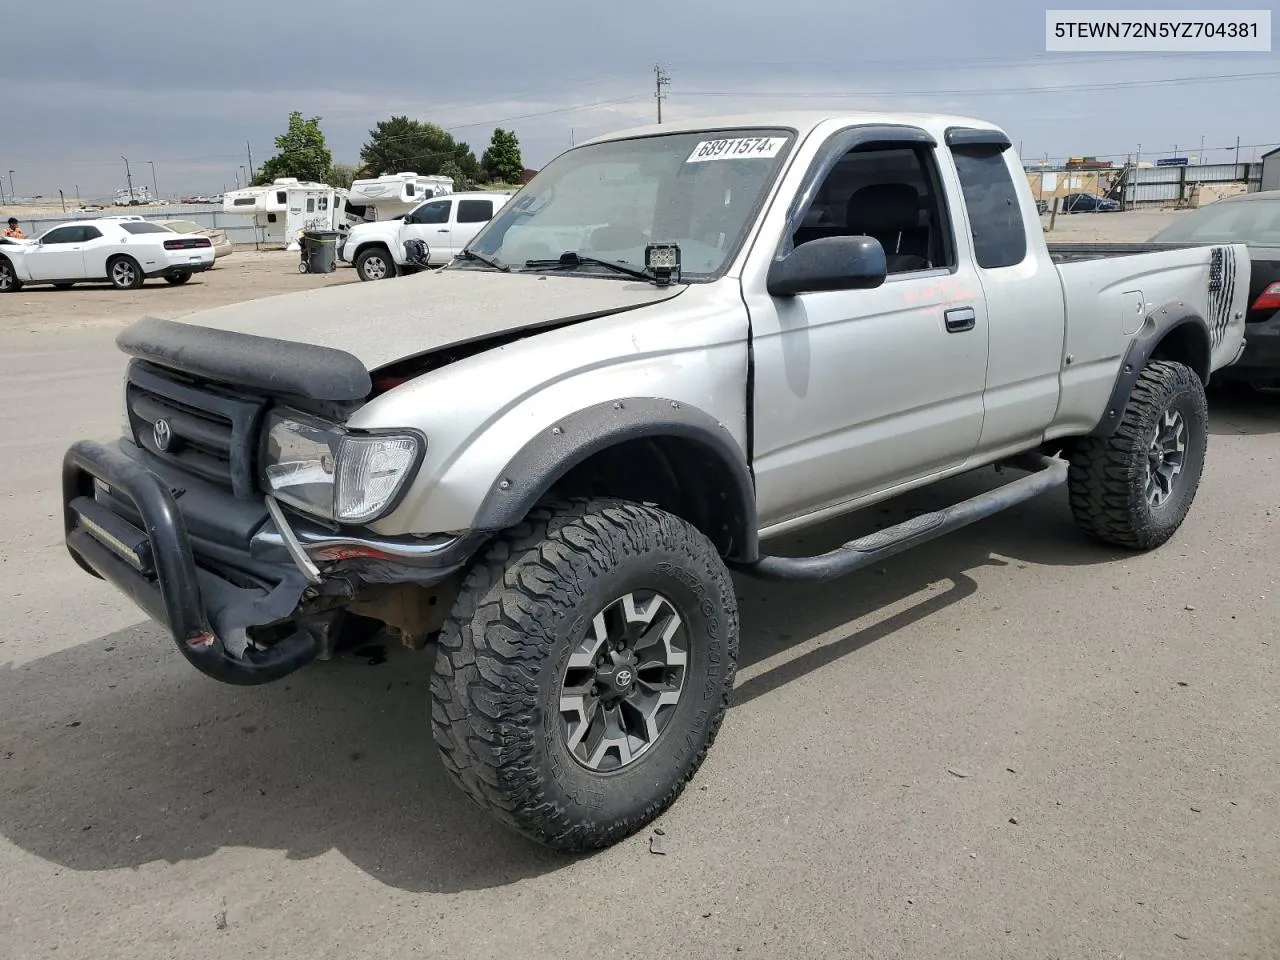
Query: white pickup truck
[673, 345]
[429, 235]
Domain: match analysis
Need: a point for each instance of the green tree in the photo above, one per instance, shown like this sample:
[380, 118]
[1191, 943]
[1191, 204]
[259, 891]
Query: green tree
[301, 152]
[502, 161]
[460, 180]
[400, 145]
[341, 175]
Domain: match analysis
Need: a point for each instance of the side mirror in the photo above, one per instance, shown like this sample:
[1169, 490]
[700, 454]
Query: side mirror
[829, 263]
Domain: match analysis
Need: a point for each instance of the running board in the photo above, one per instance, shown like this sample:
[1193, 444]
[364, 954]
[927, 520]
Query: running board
[1049, 472]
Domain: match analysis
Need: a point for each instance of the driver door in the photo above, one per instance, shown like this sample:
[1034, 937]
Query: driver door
[857, 392]
[59, 255]
[430, 224]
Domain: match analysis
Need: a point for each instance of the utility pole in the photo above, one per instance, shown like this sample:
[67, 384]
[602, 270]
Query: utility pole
[249, 150]
[1, 189]
[662, 79]
[1237, 161]
[64, 201]
[1137, 164]
[128, 176]
[156, 194]
[13, 191]
[1202, 148]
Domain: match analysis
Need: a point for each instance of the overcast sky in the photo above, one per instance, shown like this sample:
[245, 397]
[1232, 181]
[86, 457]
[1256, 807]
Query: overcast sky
[83, 82]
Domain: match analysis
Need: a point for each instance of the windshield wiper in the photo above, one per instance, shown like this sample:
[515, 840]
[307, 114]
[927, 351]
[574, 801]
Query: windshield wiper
[486, 259]
[571, 258]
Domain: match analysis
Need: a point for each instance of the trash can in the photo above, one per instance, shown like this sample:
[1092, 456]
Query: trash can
[319, 251]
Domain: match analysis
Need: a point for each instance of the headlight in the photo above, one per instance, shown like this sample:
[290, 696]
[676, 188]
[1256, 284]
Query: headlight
[325, 470]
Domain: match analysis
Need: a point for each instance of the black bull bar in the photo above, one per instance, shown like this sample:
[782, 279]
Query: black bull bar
[156, 567]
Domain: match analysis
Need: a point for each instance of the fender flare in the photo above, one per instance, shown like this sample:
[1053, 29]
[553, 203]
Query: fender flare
[547, 457]
[1155, 330]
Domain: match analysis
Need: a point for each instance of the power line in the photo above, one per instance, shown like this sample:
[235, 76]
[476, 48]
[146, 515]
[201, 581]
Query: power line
[547, 113]
[917, 65]
[981, 91]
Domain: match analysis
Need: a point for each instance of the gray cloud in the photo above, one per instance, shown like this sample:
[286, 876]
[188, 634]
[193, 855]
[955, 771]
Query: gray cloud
[84, 83]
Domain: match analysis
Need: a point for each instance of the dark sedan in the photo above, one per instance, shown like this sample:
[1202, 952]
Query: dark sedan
[1088, 203]
[1254, 220]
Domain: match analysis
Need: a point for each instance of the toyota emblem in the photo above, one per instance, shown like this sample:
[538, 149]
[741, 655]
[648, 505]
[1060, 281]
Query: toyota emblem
[162, 435]
[622, 678]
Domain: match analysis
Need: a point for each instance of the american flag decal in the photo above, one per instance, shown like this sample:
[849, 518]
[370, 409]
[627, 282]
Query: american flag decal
[1222, 289]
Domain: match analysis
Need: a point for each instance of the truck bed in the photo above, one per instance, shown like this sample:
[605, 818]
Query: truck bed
[1069, 252]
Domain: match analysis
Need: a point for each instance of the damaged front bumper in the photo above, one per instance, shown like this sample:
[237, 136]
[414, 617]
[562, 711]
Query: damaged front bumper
[215, 569]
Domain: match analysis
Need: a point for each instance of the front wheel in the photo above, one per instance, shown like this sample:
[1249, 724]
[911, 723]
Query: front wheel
[584, 671]
[375, 264]
[124, 273]
[1134, 488]
[9, 282]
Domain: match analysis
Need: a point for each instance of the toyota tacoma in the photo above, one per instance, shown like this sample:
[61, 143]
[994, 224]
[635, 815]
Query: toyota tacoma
[670, 347]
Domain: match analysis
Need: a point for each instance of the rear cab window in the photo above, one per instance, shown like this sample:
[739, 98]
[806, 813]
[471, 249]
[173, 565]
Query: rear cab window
[475, 211]
[995, 218]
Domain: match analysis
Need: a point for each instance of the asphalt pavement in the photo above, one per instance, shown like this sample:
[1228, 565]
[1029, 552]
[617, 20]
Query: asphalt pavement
[1008, 743]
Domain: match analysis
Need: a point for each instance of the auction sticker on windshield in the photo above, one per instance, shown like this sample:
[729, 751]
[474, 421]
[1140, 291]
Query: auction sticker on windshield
[738, 148]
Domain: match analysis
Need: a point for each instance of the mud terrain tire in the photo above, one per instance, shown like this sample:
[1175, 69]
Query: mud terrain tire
[525, 638]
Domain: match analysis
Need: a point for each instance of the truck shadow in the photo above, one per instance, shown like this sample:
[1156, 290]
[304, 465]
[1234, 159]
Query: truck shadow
[114, 754]
[1237, 412]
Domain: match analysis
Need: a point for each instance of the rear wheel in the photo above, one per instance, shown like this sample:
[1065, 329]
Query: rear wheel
[177, 279]
[1134, 488]
[9, 282]
[124, 273]
[584, 670]
[375, 263]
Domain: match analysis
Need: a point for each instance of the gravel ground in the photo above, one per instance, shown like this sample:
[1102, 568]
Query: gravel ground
[1010, 743]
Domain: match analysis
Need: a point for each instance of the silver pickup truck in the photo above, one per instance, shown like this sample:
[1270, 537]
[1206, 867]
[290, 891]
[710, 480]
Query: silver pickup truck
[670, 347]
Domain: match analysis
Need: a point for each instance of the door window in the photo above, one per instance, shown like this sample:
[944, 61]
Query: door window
[62, 235]
[435, 212]
[893, 195]
[89, 233]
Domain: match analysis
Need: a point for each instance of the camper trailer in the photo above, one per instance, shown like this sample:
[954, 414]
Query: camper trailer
[286, 208]
[391, 196]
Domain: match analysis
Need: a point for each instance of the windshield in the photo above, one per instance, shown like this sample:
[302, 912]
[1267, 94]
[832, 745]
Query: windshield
[608, 200]
[1255, 222]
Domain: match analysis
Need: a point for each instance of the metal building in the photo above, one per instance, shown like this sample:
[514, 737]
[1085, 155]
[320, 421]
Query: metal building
[1271, 170]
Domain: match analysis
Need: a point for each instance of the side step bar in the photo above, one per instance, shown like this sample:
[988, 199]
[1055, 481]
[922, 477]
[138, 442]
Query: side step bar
[1049, 472]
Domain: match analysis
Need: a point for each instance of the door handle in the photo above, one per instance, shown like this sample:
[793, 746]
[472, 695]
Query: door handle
[960, 319]
[442, 231]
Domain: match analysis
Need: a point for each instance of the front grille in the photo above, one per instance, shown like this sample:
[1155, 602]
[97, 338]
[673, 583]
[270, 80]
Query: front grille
[206, 430]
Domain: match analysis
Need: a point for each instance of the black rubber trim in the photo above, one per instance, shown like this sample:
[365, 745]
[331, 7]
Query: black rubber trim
[174, 271]
[276, 367]
[198, 607]
[1158, 325]
[546, 458]
[974, 137]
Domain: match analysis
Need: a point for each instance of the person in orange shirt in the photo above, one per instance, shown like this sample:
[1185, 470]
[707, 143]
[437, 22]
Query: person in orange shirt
[13, 231]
